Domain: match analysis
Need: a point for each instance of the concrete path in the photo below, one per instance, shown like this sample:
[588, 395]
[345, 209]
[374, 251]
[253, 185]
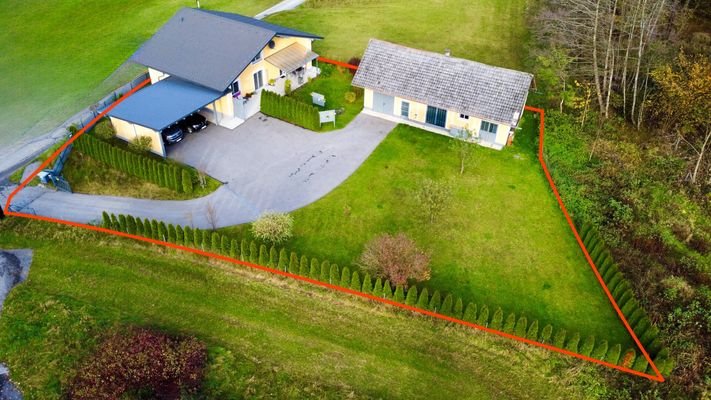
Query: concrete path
[266, 164]
[283, 6]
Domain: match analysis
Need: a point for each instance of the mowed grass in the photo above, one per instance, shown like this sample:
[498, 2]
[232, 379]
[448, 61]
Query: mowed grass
[268, 337]
[60, 56]
[502, 240]
[489, 31]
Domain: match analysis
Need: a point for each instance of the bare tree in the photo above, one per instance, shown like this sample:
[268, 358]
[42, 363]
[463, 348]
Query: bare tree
[211, 215]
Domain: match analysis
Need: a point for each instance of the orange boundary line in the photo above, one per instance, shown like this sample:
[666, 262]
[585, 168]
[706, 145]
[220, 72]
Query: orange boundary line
[339, 63]
[658, 377]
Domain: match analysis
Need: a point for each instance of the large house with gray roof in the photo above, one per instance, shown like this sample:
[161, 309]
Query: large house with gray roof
[215, 63]
[442, 94]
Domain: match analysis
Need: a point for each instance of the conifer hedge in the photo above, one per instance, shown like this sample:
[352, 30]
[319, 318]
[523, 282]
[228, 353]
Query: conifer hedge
[290, 110]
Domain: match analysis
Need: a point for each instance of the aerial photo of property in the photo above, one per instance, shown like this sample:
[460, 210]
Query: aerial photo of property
[355, 199]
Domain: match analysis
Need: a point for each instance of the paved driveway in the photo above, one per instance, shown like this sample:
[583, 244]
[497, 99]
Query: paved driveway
[266, 165]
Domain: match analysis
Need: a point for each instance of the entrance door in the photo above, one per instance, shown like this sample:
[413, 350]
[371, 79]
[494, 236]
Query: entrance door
[383, 103]
[436, 116]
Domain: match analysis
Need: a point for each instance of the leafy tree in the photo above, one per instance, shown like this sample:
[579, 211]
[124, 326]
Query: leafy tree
[463, 148]
[273, 228]
[433, 198]
[396, 258]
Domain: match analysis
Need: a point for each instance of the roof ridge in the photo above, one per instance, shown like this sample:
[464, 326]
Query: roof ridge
[220, 14]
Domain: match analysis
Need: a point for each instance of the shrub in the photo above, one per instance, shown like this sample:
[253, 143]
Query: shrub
[315, 269]
[104, 130]
[435, 301]
[263, 255]
[497, 319]
[588, 345]
[350, 97]
[180, 235]
[187, 182]
[140, 360]
[573, 343]
[287, 87]
[205, 240]
[559, 338]
[424, 299]
[378, 288]
[521, 326]
[387, 290]
[399, 294]
[458, 308]
[304, 266]
[532, 332]
[130, 225]
[367, 286]
[283, 260]
[105, 220]
[600, 351]
[483, 318]
[627, 359]
[253, 252]
[215, 241]
[225, 245]
[273, 228]
[355, 281]
[233, 248]
[396, 258]
[325, 267]
[546, 333]
[470, 313]
[432, 198]
[334, 275]
[294, 263]
[141, 229]
[243, 250]
[613, 354]
[640, 364]
[345, 277]
[122, 222]
[290, 110]
[141, 144]
[411, 298]
[510, 324]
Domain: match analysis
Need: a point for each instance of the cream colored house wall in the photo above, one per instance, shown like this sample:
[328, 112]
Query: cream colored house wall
[156, 76]
[129, 132]
[368, 98]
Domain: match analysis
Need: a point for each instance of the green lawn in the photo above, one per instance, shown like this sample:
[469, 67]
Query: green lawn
[333, 83]
[502, 242]
[54, 66]
[268, 337]
[490, 31]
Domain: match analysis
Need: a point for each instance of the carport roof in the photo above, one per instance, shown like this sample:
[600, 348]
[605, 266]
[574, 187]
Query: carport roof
[163, 103]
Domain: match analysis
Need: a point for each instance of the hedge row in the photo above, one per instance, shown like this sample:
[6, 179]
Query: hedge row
[621, 291]
[324, 271]
[290, 110]
[162, 174]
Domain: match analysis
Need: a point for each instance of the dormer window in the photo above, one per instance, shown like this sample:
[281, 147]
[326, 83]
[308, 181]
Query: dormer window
[257, 58]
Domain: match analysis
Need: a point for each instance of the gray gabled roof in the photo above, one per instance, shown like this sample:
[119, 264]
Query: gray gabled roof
[210, 48]
[484, 91]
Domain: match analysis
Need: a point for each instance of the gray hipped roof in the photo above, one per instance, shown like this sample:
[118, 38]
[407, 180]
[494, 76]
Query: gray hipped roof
[210, 48]
[490, 93]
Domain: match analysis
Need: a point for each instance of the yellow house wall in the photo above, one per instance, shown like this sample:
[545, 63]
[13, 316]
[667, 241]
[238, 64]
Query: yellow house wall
[156, 76]
[246, 80]
[129, 132]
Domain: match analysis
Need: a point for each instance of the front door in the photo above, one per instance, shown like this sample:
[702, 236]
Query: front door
[436, 116]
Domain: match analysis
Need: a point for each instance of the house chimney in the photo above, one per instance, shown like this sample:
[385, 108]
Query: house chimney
[448, 52]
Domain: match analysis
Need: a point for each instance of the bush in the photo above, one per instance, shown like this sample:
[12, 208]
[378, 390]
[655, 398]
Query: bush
[546, 333]
[155, 364]
[253, 252]
[105, 220]
[378, 288]
[263, 255]
[287, 87]
[243, 250]
[104, 130]
[559, 338]
[233, 248]
[411, 299]
[435, 301]
[470, 313]
[187, 182]
[274, 228]
[283, 260]
[141, 144]
[399, 294]
[588, 345]
[367, 286]
[355, 281]
[600, 351]
[424, 299]
[335, 275]
[387, 290]
[573, 343]
[215, 241]
[521, 326]
[345, 277]
[350, 97]
[458, 308]
[315, 269]
[290, 110]
[325, 267]
[510, 324]
[497, 319]
[532, 332]
[483, 318]
[613, 354]
[303, 266]
[396, 258]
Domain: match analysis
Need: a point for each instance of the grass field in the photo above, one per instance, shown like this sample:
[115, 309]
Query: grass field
[268, 337]
[501, 242]
[490, 31]
[56, 65]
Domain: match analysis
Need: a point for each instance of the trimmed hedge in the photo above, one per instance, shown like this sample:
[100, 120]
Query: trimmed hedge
[344, 277]
[175, 177]
[290, 110]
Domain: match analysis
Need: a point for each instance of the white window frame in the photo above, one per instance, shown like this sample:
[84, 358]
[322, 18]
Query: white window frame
[257, 58]
[486, 127]
[254, 79]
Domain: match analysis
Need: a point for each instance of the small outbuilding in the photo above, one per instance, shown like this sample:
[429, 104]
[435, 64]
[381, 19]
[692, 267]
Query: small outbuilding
[442, 94]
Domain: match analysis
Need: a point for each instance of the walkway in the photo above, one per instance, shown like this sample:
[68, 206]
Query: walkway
[267, 165]
[285, 5]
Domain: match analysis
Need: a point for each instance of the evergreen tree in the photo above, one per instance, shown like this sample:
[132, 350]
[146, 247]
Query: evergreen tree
[640, 364]
[334, 275]
[122, 222]
[233, 248]
[613, 354]
[187, 182]
[263, 255]
[447, 305]
[244, 250]
[140, 228]
[521, 326]
[510, 323]
[304, 266]
[215, 240]
[325, 268]
[355, 281]
[367, 286]
[253, 252]
[559, 338]
[171, 233]
[435, 302]
[532, 332]
[156, 229]
[130, 225]
[345, 277]
[483, 318]
[399, 294]
[497, 320]
[179, 235]
[387, 290]
[283, 260]
[205, 245]
[628, 358]
[588, 345]
[470, 313]
[147, 228]
[600, 351]
[573, 343]
[197, 238]
[423, 301]
[163, 231]
[188, 236]
[315, 269]
[177, 179]
[273, 257]
[458, 308]
[411, 298]
[378, 288]
[294, 263]
[115, 225]
[225, 245]
[105, 220]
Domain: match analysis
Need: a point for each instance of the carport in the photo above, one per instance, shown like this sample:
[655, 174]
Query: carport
[152, 109]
